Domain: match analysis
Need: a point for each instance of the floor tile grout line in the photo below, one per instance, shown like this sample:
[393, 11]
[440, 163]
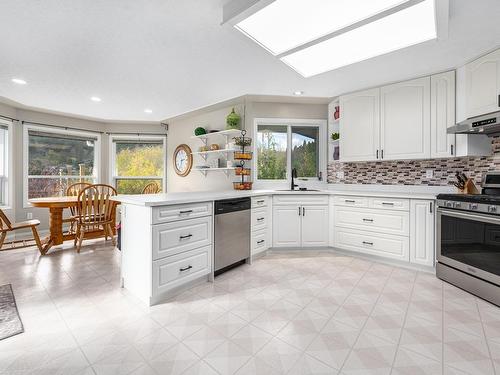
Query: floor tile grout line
[373, 307]
[404, 322]
[484, 335]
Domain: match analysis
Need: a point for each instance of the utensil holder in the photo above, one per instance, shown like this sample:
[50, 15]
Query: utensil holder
[470, 187]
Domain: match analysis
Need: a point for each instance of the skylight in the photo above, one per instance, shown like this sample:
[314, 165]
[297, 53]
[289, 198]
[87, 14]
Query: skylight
[286, 24]
[402, 29]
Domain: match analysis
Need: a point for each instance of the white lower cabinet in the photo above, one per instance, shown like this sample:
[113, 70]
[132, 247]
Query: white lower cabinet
[261, 224]
[286, 226]
[300, 221]
[386, 245]
[314, 229]
[422, 232]
[401, 229]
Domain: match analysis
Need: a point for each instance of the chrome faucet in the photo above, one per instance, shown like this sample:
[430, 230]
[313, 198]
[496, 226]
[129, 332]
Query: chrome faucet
[294, 176]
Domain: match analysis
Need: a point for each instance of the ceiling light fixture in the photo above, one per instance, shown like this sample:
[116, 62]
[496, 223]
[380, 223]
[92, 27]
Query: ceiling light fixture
[405, 28]
[95, 99]
[147, 110]
[286, 24]
[298, 93]
[19, 81]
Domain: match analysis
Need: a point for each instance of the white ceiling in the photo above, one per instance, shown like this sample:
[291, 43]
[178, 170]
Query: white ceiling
[174, 56]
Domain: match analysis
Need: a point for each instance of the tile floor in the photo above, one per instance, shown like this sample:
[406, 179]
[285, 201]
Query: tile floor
[293, 313]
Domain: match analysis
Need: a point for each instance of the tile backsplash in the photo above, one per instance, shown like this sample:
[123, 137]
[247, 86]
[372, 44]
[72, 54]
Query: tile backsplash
[413, 172]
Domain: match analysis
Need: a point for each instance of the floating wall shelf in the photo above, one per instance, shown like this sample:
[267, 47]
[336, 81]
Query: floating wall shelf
[226, 170]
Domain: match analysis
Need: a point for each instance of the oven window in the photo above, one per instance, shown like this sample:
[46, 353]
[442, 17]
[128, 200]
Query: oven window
[471, 242]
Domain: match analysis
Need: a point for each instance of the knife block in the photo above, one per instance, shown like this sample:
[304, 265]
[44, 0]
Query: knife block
[470, 187]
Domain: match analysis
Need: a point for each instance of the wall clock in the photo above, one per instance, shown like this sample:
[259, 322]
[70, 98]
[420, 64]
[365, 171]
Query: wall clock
[183, 160]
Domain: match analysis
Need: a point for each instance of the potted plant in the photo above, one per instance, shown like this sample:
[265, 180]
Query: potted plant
[233, 120]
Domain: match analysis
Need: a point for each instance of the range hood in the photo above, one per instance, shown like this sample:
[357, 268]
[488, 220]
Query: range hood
[488, 124]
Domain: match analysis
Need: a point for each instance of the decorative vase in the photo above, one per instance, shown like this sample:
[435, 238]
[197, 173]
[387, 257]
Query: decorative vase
[200, 131]
[233, 120]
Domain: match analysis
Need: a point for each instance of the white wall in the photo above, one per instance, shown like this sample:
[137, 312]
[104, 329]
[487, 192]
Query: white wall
[182, 129]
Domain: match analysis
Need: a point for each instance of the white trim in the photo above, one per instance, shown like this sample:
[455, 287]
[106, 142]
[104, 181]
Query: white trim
[9, 155]
[113, 177]
[288, 122]
[97, 155]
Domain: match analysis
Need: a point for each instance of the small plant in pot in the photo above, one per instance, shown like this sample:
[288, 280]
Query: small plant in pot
[242, 141]
[335, 136]
[233, 120]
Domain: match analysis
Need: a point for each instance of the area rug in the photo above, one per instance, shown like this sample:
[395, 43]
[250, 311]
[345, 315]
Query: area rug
[10, 322]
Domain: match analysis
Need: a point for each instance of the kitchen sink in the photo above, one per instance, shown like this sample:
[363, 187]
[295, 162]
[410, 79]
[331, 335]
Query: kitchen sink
[298, 190]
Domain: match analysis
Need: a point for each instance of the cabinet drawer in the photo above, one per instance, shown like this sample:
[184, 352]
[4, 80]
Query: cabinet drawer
[300, 199]
[386, 245]
[260, 201]
[391, 222]
[390, 204]
[180, 236]
[259, 218]
[259, 241]
[174, 271]
[165, 214]
[351, 201]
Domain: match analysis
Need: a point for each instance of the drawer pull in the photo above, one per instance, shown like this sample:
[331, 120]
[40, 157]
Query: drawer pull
[367, 243]
[368, 220]
[260, 218]
[260, 202]
[387, 204]
[349, 201]
[259, 242]
[184, 237]
[185, 212]
[185, 268]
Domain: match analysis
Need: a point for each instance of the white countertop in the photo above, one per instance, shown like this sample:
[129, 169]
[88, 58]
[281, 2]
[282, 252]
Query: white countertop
[413, 192]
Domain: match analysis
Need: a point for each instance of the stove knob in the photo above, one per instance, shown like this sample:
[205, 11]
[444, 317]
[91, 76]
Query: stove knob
[457, 204]
[449, 204]
[492, 209]
[473, 206]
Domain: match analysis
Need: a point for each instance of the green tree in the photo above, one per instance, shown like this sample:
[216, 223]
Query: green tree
[271, 162]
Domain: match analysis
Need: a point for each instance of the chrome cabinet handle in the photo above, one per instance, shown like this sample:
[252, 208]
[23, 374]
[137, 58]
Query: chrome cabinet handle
[185, 212]
[259, 242]
[387, 204]
[377, 154]
[260, 201]
[184, 237]
[368, 220]
[430, 207]
[349, 201]
[381, 154]
[299, 210]
[185, 268]
[260, 219]
[367, 243]
[303, 211]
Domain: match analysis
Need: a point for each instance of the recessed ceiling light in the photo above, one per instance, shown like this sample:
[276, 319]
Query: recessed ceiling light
[405, 28]
[95, 99]
[286, 24]
[147, 110]
[298, 93]
[19, 81]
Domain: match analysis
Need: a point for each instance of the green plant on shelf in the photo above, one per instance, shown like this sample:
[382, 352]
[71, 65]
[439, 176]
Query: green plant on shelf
[335, 136]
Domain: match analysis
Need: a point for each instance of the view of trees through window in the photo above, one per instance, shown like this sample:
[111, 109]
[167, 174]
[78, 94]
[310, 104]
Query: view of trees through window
[137, 164]
[4, 160]
[56, 161]
[272, 148]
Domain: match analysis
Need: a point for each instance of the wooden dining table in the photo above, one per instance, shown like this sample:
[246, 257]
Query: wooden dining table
[56, 206]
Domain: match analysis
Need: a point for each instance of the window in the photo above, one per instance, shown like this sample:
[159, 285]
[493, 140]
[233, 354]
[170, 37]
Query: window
[55, 159]
[282, 145]
[137, 161]
[4, 163]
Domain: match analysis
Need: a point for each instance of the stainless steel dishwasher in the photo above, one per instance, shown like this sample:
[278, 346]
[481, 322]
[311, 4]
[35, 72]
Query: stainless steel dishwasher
[232, 233]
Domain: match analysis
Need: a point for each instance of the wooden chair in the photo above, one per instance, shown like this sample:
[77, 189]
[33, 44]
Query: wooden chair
[151, 188]
[73, 191]
[6, 226]
[95, 211]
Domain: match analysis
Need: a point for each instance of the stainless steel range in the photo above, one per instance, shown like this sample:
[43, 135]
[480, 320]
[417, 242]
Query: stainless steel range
[468, 239]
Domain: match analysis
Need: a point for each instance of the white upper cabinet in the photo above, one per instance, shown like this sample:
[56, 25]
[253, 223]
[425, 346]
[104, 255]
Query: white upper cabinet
[442, 114]
[360, 126]
[483, 85]
[405, 120]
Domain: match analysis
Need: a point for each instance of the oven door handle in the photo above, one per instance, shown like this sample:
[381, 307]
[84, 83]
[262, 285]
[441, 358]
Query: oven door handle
[489, 219]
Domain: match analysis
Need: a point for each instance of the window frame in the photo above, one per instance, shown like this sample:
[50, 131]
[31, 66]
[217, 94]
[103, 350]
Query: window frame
[67, 132]
[8, 166]
[290, 123]
[113, 177]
